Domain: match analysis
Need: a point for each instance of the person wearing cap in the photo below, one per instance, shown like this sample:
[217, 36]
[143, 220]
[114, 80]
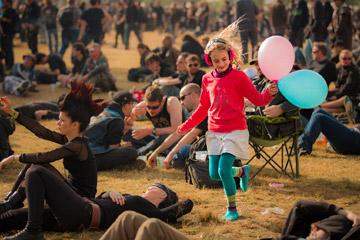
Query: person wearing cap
[105, 133]
[279, 106]
[21, 77]
[71, 212]
[96, 70]
[338, 46]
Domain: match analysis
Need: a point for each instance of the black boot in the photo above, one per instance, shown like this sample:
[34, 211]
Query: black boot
[8, 195]
[13, 202]
[26, 234]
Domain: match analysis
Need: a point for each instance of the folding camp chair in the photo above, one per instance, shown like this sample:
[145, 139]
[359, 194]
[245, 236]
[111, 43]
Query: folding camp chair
[268, 132]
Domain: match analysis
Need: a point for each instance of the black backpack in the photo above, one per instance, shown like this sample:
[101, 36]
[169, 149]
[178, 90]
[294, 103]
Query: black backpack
[197, 171]
[67, 18]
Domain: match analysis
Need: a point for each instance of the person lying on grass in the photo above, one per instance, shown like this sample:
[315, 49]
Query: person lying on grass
[67, 211]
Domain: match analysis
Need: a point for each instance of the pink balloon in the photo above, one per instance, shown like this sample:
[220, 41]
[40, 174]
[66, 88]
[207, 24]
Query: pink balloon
[276, 57]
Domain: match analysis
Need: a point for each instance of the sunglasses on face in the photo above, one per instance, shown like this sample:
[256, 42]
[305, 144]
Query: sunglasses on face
[154, 107]
[182, 98]
[345, 58]
[193, 64]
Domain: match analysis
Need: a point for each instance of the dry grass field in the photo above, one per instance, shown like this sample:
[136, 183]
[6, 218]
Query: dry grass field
[325, 176]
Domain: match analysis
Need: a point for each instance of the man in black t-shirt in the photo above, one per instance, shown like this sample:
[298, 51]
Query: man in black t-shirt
[131, 20]
[94, 21]
[159, 69]
[56, 64]
[194, 73]
[321, 64]
[8, 23]
[190, 99]
[79, 57]
[31, 23]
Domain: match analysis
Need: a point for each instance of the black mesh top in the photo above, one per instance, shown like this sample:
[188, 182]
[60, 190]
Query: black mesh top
[78, 159]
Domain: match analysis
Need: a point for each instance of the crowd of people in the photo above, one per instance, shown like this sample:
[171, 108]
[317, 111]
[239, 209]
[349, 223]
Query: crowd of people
[181, 101]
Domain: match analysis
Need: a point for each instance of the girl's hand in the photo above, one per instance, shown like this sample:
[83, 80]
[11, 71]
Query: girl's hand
[273, 88]
[117, 197]
[180, 130]
[5, 105]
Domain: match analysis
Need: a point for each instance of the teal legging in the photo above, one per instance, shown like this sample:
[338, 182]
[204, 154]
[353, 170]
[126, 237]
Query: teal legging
[220, 168]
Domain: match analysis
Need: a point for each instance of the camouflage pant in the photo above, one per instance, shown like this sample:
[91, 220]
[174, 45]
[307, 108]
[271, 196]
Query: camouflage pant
[12, 84]
[103, 81]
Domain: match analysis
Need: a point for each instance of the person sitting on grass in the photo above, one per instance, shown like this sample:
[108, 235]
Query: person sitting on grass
[342, 139]
[67, 211]
[96, 70]
[79, 57]
[75, 112]
[190, 99]
[312, 220]
[165, 114]
[105, 133]
[21, 77]
[56, 64]
[131, 225]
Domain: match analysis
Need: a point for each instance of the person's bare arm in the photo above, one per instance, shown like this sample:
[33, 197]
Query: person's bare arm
[107, 19]
[166, 81]
[187, 139]
[82, 29]
[175, 111]
[168, 142]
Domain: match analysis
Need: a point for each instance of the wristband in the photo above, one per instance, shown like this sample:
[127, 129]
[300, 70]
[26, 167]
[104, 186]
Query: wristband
[12, 119]
[109, 192]
[154, 131]
[156, 151]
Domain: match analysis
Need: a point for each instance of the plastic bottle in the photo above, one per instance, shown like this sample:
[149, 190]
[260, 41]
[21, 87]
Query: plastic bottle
[160, 161]
[321, 140]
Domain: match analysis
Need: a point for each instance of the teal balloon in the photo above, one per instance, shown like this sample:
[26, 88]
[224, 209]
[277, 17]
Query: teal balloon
[304, 88]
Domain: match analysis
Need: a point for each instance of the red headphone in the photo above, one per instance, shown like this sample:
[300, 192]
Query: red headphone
[220, 40]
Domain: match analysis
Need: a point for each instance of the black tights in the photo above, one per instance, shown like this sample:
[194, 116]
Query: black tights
[19, 185]
[71, 211]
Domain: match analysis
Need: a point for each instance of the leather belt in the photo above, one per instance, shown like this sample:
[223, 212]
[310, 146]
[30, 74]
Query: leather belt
[95, 216]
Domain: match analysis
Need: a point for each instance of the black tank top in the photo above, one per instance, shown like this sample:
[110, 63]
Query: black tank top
[162, 120]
